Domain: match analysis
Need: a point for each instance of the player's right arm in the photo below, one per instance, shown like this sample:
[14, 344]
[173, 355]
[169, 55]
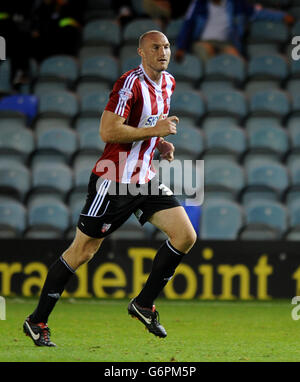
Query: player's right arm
[114, 130]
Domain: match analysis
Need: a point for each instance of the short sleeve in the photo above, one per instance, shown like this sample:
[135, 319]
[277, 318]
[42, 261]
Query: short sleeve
[122, 97]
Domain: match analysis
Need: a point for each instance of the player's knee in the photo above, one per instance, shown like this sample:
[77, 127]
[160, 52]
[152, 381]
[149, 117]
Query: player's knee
[190, 238]
[85, 251]
[88, 251]
[185, 240]
[85, 257]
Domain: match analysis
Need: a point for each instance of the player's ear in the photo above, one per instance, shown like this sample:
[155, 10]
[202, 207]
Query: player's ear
[140, 52]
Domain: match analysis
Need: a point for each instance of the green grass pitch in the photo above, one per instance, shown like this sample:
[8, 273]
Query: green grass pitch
[198, 331]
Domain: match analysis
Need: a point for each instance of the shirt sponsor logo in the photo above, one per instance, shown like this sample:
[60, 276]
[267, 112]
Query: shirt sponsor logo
[152, 120]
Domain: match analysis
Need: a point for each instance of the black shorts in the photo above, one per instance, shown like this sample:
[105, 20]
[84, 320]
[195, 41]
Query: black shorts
[109, 204]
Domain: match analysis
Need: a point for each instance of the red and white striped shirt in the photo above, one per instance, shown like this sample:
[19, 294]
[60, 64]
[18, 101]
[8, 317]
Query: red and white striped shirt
[140, 101]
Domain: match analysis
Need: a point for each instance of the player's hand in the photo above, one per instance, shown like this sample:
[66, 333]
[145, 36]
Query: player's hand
[166, 126]
[179, 55]
[289, 19]
[166, 150]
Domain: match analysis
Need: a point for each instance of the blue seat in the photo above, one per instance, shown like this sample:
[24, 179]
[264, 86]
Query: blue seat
[294, 169]
[213, 86]
[129, 63]
[12, 119]
[173, 29]
[220, 220]
[86, 123]
[134, 29]
[12, 214]
[268, 67]
[257, 49]
[86, 159]
[187, 103]
[267, 174]
[262, 31]
[81, 175]
[294, 132]
[292, 85]
[270, 102]
[188, 140]
[229, 139]
[16, 139]
[190, 69]
[93, 50]
[60, 67]
[85, 87]
[271, 139]
[296, 29]
[256, 121]
[295, 69]
[61, 139]
[225, 66]
[51, 122]
[5, 75]
[75, 210]
[255, 86]
[45, 86]
[94, 102]
[296, 103]
[15, 178]
[49, 212]
[99, 68]
[25, 104]
[220, 174]
[227, 102]
[294, 213]
[48, 156]
[127, 51]
[270, 213]
[212, 121]
[59, 103]
[77, 194]
[89, 139]
[52, 177]
[101, 32]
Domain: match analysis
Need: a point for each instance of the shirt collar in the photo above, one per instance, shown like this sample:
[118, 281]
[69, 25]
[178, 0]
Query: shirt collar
[149, 79]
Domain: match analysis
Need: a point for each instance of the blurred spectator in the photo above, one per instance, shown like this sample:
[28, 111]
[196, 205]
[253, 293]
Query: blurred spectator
[14, 16]
[159, 10]
[218, 26]
[123, 10]
[162, 11]
[56, 28]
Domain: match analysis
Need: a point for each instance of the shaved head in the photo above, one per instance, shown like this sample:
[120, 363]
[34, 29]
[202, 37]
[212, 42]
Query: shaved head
[148, 35]
[154, 49]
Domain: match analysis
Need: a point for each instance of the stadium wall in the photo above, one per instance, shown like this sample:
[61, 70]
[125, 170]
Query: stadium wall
[222, 270]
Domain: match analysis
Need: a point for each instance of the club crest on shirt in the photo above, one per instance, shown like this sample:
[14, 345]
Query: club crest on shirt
[125, 94]
[105, 227]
